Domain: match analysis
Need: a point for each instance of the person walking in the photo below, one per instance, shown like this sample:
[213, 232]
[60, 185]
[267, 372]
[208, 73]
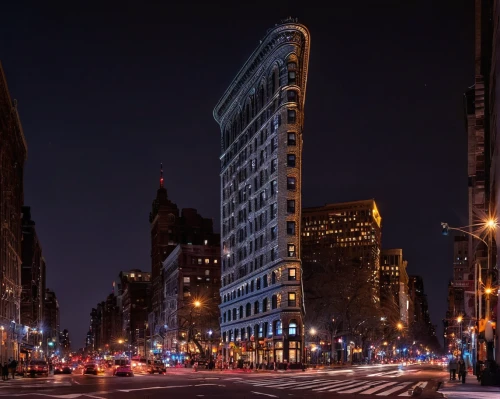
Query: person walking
[462, 370]
[13, 367]
[5, 372]
[452, 366]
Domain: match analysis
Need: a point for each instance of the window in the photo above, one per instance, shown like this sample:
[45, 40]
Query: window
[274, 187]
[291, 251]
[207, 272]
[292, 328]
[258, 283]
[290, 206]
[264, 305]
[248, 310]
[274, 232]
[274, 165]
[274, 210]
[278, 328]
[291, 139]
[234, 314]
[290, 160]
[292, 274]
[241, 312]
[256, 307]
[292, 299]
[290, 183]
[273, 278]
[269, 330]
[187, 280]
[215, 261]
[292, 74]
[200, 261]
[290, 228]
[207, 261]
[264, 281]
[274, 302]
[292, 96]
[291, 116]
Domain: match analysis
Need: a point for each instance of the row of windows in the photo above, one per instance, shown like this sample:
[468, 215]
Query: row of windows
[201, 261]
[238, 314]
[263, 330]
[249, 288]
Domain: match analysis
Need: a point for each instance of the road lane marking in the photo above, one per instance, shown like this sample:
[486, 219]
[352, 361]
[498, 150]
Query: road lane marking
[330, 385]
[396, 388]
[265, 394]
[378, 388]
[149, 388]
[347, 386]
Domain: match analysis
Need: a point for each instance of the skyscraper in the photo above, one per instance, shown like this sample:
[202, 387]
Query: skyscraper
[13, 152]
[261, 118]
[345, 233]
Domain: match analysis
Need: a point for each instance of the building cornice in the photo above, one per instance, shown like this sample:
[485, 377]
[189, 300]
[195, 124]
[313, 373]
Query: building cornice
[286, 33]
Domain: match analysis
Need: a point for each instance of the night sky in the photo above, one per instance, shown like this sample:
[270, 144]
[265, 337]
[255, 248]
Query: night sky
[106, 91]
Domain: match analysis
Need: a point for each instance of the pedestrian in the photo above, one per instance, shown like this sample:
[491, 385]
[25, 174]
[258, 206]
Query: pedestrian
[452, 366]
[5, 372]
[13, 367]
[462, 371]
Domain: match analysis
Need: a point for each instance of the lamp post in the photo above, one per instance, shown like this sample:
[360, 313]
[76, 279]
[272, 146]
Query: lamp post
[459, 321]
[489, 225]
[1, 342]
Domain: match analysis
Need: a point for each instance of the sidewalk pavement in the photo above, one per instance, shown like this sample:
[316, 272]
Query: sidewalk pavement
[472, 389]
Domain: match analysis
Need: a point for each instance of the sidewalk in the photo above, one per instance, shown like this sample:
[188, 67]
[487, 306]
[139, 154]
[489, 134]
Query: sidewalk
[472, 389]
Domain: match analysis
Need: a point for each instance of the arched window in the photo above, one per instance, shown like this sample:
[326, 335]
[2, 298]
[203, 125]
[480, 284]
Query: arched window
[256, 307]
[224, 336]
[264, 305]
[249, 332]
[241, 312]
[224, 317]
[274, 302]
[292, 328]
[256, 330]
[273, 278]
[251, 286]
[248, 310]
[236, 331]
[258, 283]
[242, 332]
[264, 281]
[234, 314]
[229, 315]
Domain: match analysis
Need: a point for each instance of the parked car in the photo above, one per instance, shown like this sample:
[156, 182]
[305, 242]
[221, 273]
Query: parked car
[124, 371]
[156, 366]
[38, 367]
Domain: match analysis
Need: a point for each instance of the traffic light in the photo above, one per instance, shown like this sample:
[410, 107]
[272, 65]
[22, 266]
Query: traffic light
[445, 229]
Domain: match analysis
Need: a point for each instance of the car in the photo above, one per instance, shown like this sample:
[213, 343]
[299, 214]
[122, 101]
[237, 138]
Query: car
[92, 368]
[124, 371]
[38, 367]
[156, 366]
[66, 370]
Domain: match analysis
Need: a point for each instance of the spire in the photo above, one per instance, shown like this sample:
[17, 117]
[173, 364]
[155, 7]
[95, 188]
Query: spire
[161, 175]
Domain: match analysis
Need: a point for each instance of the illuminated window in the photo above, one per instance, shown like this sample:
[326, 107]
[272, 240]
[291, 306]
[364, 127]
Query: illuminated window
[291, 251]
[290, 183]
[200, 261]
[292, 299]
[207, 272]
[292, 328]
[216, 261]
[292, 274]
[207, 261]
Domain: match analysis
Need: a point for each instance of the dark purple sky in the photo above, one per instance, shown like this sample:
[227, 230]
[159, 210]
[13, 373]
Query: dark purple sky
[108, 91]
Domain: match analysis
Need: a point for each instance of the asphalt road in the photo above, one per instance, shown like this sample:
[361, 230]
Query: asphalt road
[349, 383]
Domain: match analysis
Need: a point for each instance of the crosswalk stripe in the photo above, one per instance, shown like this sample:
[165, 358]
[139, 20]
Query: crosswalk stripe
[396, 388]
[352, 386]
[342, 383]
[368, 384]
[318, 384]
[420, 384]
[378, 388]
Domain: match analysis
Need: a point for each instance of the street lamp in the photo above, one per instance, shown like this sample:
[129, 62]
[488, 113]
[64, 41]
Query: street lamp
[459, 321]
[489, 226]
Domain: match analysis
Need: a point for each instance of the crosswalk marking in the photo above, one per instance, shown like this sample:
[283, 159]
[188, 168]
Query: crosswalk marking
[396, 388]
[358, 386]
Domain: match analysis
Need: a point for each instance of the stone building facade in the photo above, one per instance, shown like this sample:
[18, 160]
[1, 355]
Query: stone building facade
[261, 118]
[13, 152]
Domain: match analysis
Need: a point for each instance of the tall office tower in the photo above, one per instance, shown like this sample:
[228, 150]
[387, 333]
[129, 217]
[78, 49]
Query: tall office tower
[394, 282]
[261, 118]
[13, 152]
[338, 235]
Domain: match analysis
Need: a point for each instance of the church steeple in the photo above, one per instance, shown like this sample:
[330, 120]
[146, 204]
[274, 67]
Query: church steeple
[161, 175]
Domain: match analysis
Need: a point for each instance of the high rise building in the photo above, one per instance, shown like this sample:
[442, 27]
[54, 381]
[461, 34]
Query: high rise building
[169, 227]
[191, 287]
[261, 118]
[32, 277]
[394, 282]
[52, 322]
[13, 152]
[347, 233]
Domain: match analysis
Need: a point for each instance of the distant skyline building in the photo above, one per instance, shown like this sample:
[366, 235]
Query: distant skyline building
[52, 324]
[346, 233]
[32, 279]
[261, 117]
[13, 153]
[394, 282]
[169, 227]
